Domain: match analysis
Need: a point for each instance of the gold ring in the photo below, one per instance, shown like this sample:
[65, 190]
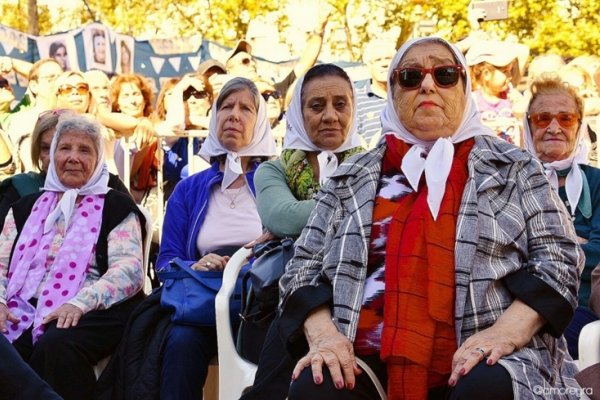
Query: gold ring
[481, 351]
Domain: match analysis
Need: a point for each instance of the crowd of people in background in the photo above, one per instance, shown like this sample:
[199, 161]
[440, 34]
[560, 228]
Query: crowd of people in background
[152, 141]
[128, 109]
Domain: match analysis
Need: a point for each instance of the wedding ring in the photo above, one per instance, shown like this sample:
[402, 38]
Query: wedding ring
[208, 263]
[481, 351]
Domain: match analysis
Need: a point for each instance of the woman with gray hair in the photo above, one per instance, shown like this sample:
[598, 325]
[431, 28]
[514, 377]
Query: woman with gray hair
[70, 264]
[21, 185]
[210, 215]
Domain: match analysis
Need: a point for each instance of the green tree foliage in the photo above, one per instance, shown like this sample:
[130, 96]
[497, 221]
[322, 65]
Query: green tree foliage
[14, 15]
[566, 27]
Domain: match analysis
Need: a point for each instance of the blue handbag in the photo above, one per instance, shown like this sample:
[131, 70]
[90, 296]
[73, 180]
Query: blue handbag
[191, 294]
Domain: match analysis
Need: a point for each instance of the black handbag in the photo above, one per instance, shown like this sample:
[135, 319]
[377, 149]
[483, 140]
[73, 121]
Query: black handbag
[266, 270]
[259, 303]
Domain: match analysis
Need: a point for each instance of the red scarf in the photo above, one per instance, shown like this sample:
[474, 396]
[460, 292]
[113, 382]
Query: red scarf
[418, 338]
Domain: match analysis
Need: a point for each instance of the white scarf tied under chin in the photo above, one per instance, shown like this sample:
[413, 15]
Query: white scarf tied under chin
[436, 164]
[97, 185]
[328, 163]
[574, 179]
[297, 138]
[434, 158]
[262, 144]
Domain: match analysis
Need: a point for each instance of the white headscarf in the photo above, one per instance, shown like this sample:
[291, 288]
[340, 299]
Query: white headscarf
[297, 138]
[574, 179]
[97, 184]
[262, 143]
[432, 157]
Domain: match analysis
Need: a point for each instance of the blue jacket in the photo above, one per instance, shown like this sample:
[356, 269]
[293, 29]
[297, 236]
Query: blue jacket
[176, 158]
[588, 229]
[185, 214]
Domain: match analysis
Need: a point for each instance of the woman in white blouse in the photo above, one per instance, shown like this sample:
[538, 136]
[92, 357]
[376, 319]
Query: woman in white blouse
[209, 215]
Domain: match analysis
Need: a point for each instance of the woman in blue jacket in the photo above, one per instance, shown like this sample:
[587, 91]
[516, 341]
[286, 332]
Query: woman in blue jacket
[554, 131]
[209, 215]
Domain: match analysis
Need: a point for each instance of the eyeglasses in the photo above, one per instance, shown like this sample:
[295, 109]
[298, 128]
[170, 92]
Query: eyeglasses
[275, 94]
[4, 84]
[197, 94]
[444, 76]
[81, 88]
[564, 119]
[47, 78]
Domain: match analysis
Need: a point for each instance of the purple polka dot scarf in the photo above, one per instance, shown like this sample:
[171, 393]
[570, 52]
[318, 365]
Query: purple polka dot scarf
[64, 277]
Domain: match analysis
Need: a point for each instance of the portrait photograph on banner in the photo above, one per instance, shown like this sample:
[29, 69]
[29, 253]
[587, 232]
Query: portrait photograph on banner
[96, 41]
[61, 48]
[125, 53]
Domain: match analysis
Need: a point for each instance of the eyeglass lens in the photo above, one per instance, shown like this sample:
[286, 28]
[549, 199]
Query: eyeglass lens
[81, 89]
[564, 119]
[444, 76]
[276, 95]
[197, 94]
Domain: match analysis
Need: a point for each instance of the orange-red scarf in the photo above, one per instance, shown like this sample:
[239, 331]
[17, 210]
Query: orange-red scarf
[418, 338]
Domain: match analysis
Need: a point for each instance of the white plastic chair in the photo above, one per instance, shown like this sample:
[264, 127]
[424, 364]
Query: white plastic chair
[589, 345]
[147, 288]
[146, 244]
[235, 373]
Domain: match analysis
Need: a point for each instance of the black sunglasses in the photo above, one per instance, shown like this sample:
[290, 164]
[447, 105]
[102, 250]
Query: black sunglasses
[197, 94]
[444, 76]
[275, 94]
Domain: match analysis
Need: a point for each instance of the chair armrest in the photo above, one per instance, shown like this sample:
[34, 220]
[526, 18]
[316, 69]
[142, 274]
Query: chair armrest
[235, 373]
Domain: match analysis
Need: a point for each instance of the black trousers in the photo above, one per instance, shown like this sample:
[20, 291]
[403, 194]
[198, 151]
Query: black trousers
[275, 366]
[482, 382]
[64, 358]
[17, 380]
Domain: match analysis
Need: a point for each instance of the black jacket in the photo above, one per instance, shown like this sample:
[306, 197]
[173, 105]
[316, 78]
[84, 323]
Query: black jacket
[134, 370]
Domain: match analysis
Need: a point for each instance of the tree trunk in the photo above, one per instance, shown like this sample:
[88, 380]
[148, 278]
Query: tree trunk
[32, 18]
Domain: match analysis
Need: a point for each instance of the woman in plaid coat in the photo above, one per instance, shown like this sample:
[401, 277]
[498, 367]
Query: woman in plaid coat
[442, 258]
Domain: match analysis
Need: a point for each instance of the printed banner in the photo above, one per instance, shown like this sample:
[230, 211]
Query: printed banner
[97, 47]
[157, 64]
[125, 46]
[175, 62]
[61, 48]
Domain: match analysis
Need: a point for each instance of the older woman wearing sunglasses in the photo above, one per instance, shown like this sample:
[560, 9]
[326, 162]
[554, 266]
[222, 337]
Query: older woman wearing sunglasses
[442, 257]
[554, 133]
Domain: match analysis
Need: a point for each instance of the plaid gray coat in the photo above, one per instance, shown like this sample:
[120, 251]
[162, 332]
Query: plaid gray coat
[510, 219]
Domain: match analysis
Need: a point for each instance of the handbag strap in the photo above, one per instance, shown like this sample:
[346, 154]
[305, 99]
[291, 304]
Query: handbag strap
[185, 271]
[172, 275]
[380, 390]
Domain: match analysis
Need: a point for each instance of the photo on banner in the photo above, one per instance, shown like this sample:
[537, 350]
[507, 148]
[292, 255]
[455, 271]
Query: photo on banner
[125, 54]
[96, 41]
[61, 48]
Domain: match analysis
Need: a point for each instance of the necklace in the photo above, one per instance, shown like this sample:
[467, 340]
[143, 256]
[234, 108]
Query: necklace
[235, 192]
